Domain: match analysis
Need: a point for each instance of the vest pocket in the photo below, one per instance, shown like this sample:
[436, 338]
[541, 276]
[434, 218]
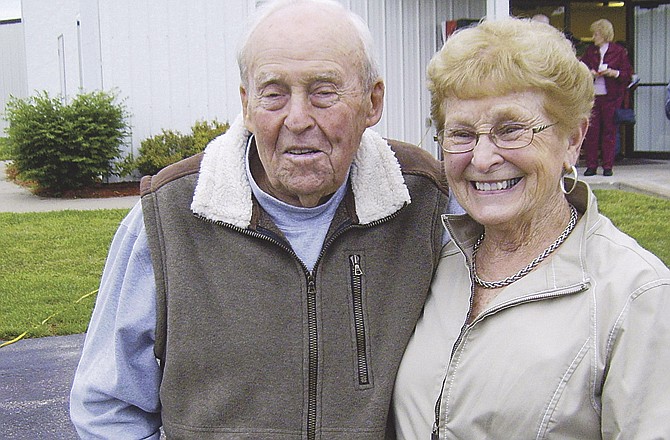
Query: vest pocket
[362, 361]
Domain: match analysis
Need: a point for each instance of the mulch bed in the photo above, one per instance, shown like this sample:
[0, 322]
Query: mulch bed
[98, 190]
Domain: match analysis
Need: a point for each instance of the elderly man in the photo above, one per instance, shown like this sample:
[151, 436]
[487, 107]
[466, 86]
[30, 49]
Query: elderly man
[277, 277]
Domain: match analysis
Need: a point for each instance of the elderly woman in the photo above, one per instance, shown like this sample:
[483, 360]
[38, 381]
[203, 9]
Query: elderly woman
[611, 72]
[544, 320]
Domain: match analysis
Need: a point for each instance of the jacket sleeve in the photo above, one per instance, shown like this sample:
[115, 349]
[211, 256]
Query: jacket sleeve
[621, 62]
[635, 398]
[591, 57]
[667, 101]
[115, 389]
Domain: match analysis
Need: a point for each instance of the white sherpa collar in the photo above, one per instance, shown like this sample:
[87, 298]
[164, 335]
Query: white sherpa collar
[223, 193]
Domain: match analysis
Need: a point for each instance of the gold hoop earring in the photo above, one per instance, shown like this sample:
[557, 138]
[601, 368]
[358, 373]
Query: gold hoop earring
[574, 176]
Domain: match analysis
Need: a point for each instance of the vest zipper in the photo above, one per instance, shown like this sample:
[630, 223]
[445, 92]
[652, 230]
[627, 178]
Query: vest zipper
[313, 361]
[359, 321]
[312, 328]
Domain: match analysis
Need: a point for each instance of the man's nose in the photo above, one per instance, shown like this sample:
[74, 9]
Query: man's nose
[298, 117]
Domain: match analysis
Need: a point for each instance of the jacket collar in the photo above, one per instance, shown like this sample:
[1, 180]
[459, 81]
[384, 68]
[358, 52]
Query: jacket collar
[223, 192]
[567, 265]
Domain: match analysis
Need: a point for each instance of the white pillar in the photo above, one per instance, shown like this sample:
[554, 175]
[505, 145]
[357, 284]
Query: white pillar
[497, 9]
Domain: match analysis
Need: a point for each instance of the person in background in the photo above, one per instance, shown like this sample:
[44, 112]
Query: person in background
[544, 320]
[267, 288]
[541, 18]
[611, 70]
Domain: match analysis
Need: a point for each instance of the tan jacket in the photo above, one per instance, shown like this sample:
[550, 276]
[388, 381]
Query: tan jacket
[577, 349]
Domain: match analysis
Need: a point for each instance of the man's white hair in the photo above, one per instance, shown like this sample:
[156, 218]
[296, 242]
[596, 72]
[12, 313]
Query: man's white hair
[370, 73]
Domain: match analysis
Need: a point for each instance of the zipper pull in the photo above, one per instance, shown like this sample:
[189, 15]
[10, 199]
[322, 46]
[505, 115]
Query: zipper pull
[311, 285]
[356, 264]
[435, 435]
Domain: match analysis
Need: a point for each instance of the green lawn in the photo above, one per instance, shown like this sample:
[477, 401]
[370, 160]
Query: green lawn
[641, 216]
[49, 261]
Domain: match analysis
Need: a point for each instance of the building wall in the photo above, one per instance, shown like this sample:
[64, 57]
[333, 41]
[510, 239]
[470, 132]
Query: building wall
[46, 25]
[652, 64]
[13, 66]
[174, 61]
[407, 34]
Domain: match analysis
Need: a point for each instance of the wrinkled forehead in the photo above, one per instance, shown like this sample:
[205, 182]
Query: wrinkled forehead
[307, 33]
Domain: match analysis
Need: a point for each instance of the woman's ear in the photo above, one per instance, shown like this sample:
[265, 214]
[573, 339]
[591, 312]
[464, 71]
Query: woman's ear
[575, 140]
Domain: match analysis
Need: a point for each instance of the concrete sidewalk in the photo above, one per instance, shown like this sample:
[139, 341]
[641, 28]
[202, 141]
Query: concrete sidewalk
[646, 176]
[36, 374]
[14, 198]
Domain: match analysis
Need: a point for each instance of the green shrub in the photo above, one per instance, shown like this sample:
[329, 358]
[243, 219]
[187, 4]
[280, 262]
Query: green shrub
[203, 132]
[162, 150]
[63, 146]
[171, 146]
[4, 149]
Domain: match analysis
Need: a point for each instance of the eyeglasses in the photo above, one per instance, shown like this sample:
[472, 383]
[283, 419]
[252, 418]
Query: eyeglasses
[510, 136]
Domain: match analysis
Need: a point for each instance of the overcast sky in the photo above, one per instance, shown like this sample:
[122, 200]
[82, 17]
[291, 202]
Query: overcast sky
[10, 9]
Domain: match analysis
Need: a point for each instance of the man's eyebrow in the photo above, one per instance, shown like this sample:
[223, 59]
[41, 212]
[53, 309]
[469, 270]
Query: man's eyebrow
[326, 76]
[265, 78]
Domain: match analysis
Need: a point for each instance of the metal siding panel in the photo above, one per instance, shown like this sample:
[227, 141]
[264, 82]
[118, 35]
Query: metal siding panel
[159, 101]
[178, 63]
[411, 66]
[652, 64]
[139, 81]
[429, 43]
[229, 27]
[376, 20]
[13, 81]
[395, 83]
[43, 23]
[196, 58]
[90, 44]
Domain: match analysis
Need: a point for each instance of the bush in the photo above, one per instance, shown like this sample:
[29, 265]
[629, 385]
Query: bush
[171, 146]
[64, 146]
[4, 149]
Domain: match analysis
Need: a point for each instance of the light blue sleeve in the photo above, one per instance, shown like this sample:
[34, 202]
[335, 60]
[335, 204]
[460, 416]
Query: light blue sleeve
[115, 389]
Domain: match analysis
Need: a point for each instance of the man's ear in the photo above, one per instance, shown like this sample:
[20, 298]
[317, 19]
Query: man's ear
[575, 141]
[245, 101]
[376, 104]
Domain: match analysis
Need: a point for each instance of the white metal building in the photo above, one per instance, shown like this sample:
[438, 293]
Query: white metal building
[174, 61]
[13, 65]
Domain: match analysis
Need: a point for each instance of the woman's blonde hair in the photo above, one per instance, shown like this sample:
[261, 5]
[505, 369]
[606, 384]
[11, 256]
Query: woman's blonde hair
[495, 58]
[604, 27]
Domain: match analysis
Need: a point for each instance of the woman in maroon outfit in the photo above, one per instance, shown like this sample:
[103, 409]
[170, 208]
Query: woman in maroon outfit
[612, 71]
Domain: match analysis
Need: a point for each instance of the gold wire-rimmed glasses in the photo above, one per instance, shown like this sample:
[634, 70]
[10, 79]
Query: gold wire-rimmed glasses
[508, 136]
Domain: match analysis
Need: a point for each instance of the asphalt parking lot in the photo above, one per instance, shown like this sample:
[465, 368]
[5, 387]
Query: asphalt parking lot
[35, 380]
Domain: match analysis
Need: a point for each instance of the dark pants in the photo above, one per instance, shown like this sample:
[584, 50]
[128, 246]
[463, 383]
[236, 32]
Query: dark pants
[601, 136]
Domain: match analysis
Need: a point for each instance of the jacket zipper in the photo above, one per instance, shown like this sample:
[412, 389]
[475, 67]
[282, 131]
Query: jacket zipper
[313, 362]
[435, 435]
[359, 321]
[313, 337]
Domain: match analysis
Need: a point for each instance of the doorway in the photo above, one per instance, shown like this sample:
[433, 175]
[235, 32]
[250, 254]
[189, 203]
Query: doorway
[643, 27]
